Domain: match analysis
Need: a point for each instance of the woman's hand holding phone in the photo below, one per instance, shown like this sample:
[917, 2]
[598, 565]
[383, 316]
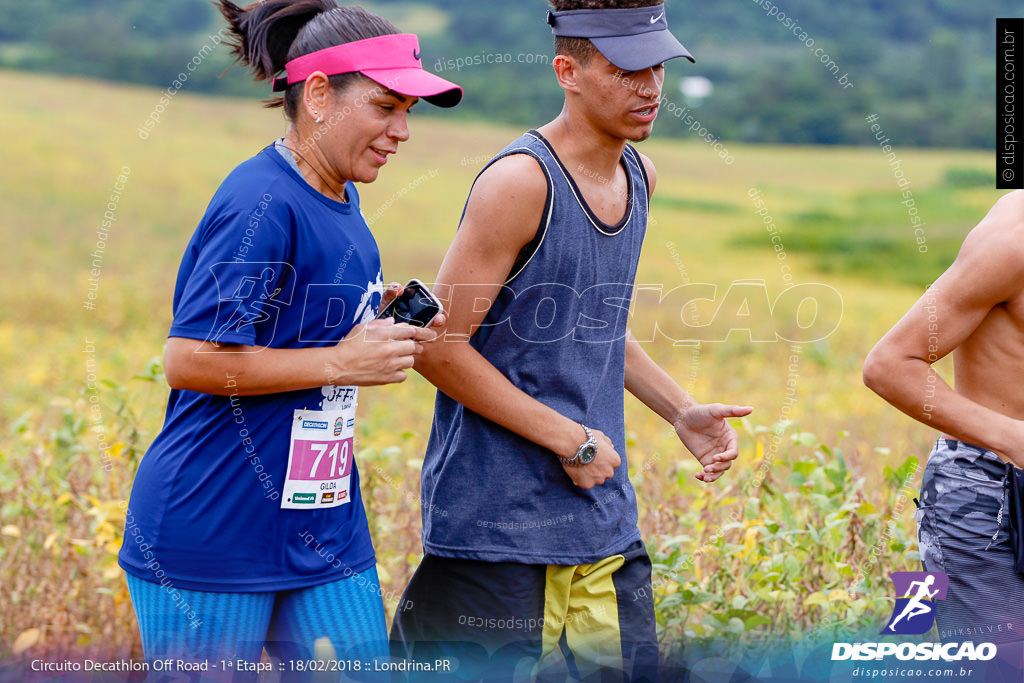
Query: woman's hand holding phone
[415, 305]
[383, 350]
[377, 352]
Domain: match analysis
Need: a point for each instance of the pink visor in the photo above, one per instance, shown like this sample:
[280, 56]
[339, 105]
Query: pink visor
[393, 61]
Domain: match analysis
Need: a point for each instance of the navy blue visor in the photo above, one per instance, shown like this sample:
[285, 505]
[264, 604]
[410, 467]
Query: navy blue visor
[631, 39]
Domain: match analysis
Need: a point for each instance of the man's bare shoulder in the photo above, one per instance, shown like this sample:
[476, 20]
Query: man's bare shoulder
[652, 172]
[507, 201]
[997, 242]
[519, 174]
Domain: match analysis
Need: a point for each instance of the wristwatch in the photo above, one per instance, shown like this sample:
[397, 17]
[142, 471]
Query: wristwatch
[585, 454]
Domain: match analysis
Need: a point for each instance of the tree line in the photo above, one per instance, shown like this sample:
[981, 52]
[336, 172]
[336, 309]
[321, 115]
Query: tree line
[786, 71]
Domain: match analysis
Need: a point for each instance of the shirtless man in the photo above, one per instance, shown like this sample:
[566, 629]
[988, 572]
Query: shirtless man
[975, 310]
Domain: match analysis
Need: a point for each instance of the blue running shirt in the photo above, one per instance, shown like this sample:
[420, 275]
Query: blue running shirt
[273, 263]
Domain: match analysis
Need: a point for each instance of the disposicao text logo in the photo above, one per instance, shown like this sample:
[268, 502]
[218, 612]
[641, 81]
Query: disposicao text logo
[914, 614]
[916, 593]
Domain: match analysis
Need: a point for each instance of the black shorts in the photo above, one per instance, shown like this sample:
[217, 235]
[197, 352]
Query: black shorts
[490, 619]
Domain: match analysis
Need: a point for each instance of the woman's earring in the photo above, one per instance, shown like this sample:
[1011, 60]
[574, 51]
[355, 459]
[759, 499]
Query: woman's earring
[316, 115]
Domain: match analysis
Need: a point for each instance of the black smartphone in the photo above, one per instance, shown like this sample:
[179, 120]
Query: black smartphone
[416, 306]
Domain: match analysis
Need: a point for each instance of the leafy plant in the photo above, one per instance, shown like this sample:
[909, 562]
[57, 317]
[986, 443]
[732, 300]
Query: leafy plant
[801, 553]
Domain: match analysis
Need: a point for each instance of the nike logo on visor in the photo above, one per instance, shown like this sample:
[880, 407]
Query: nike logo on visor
[654, 20]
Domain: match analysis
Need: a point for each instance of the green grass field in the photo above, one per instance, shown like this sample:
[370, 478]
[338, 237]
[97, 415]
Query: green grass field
[781, 543]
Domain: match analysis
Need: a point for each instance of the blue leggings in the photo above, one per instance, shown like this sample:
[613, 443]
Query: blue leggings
[200, 626]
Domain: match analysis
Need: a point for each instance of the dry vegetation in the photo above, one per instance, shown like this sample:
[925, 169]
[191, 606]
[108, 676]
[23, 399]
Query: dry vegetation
[753, 554]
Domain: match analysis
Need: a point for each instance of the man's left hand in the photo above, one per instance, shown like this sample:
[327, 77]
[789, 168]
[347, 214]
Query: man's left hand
[704, 431]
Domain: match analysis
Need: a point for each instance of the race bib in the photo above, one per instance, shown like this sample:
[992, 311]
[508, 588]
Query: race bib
[320, 455]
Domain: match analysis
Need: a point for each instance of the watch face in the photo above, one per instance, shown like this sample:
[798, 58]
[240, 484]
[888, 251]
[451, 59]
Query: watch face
[588, 454]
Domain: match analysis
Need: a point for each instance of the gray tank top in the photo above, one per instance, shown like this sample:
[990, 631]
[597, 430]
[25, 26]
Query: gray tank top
[557, 331]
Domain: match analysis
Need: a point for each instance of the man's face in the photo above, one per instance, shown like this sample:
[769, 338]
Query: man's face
[623, 103]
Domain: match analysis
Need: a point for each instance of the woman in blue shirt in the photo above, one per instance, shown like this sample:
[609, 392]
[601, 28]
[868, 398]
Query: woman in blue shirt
[245, 527]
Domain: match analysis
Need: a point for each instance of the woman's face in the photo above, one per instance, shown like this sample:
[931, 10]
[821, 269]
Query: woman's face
[362, 126]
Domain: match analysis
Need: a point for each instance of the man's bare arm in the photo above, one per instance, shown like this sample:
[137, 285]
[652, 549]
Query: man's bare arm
[701, 427]
[988, 271]
[502, 215]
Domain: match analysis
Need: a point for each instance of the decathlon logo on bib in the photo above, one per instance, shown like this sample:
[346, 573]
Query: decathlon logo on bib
[320, 456]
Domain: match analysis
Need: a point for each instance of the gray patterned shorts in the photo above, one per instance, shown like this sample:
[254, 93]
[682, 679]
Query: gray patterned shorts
[963, 529]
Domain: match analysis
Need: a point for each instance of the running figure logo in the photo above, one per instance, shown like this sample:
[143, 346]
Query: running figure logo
[916, 593]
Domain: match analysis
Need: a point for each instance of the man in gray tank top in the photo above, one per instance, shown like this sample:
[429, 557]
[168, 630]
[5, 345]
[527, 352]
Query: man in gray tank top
[533, 557]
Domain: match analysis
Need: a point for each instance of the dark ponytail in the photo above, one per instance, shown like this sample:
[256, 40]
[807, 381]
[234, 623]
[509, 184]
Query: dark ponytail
[266, 35]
